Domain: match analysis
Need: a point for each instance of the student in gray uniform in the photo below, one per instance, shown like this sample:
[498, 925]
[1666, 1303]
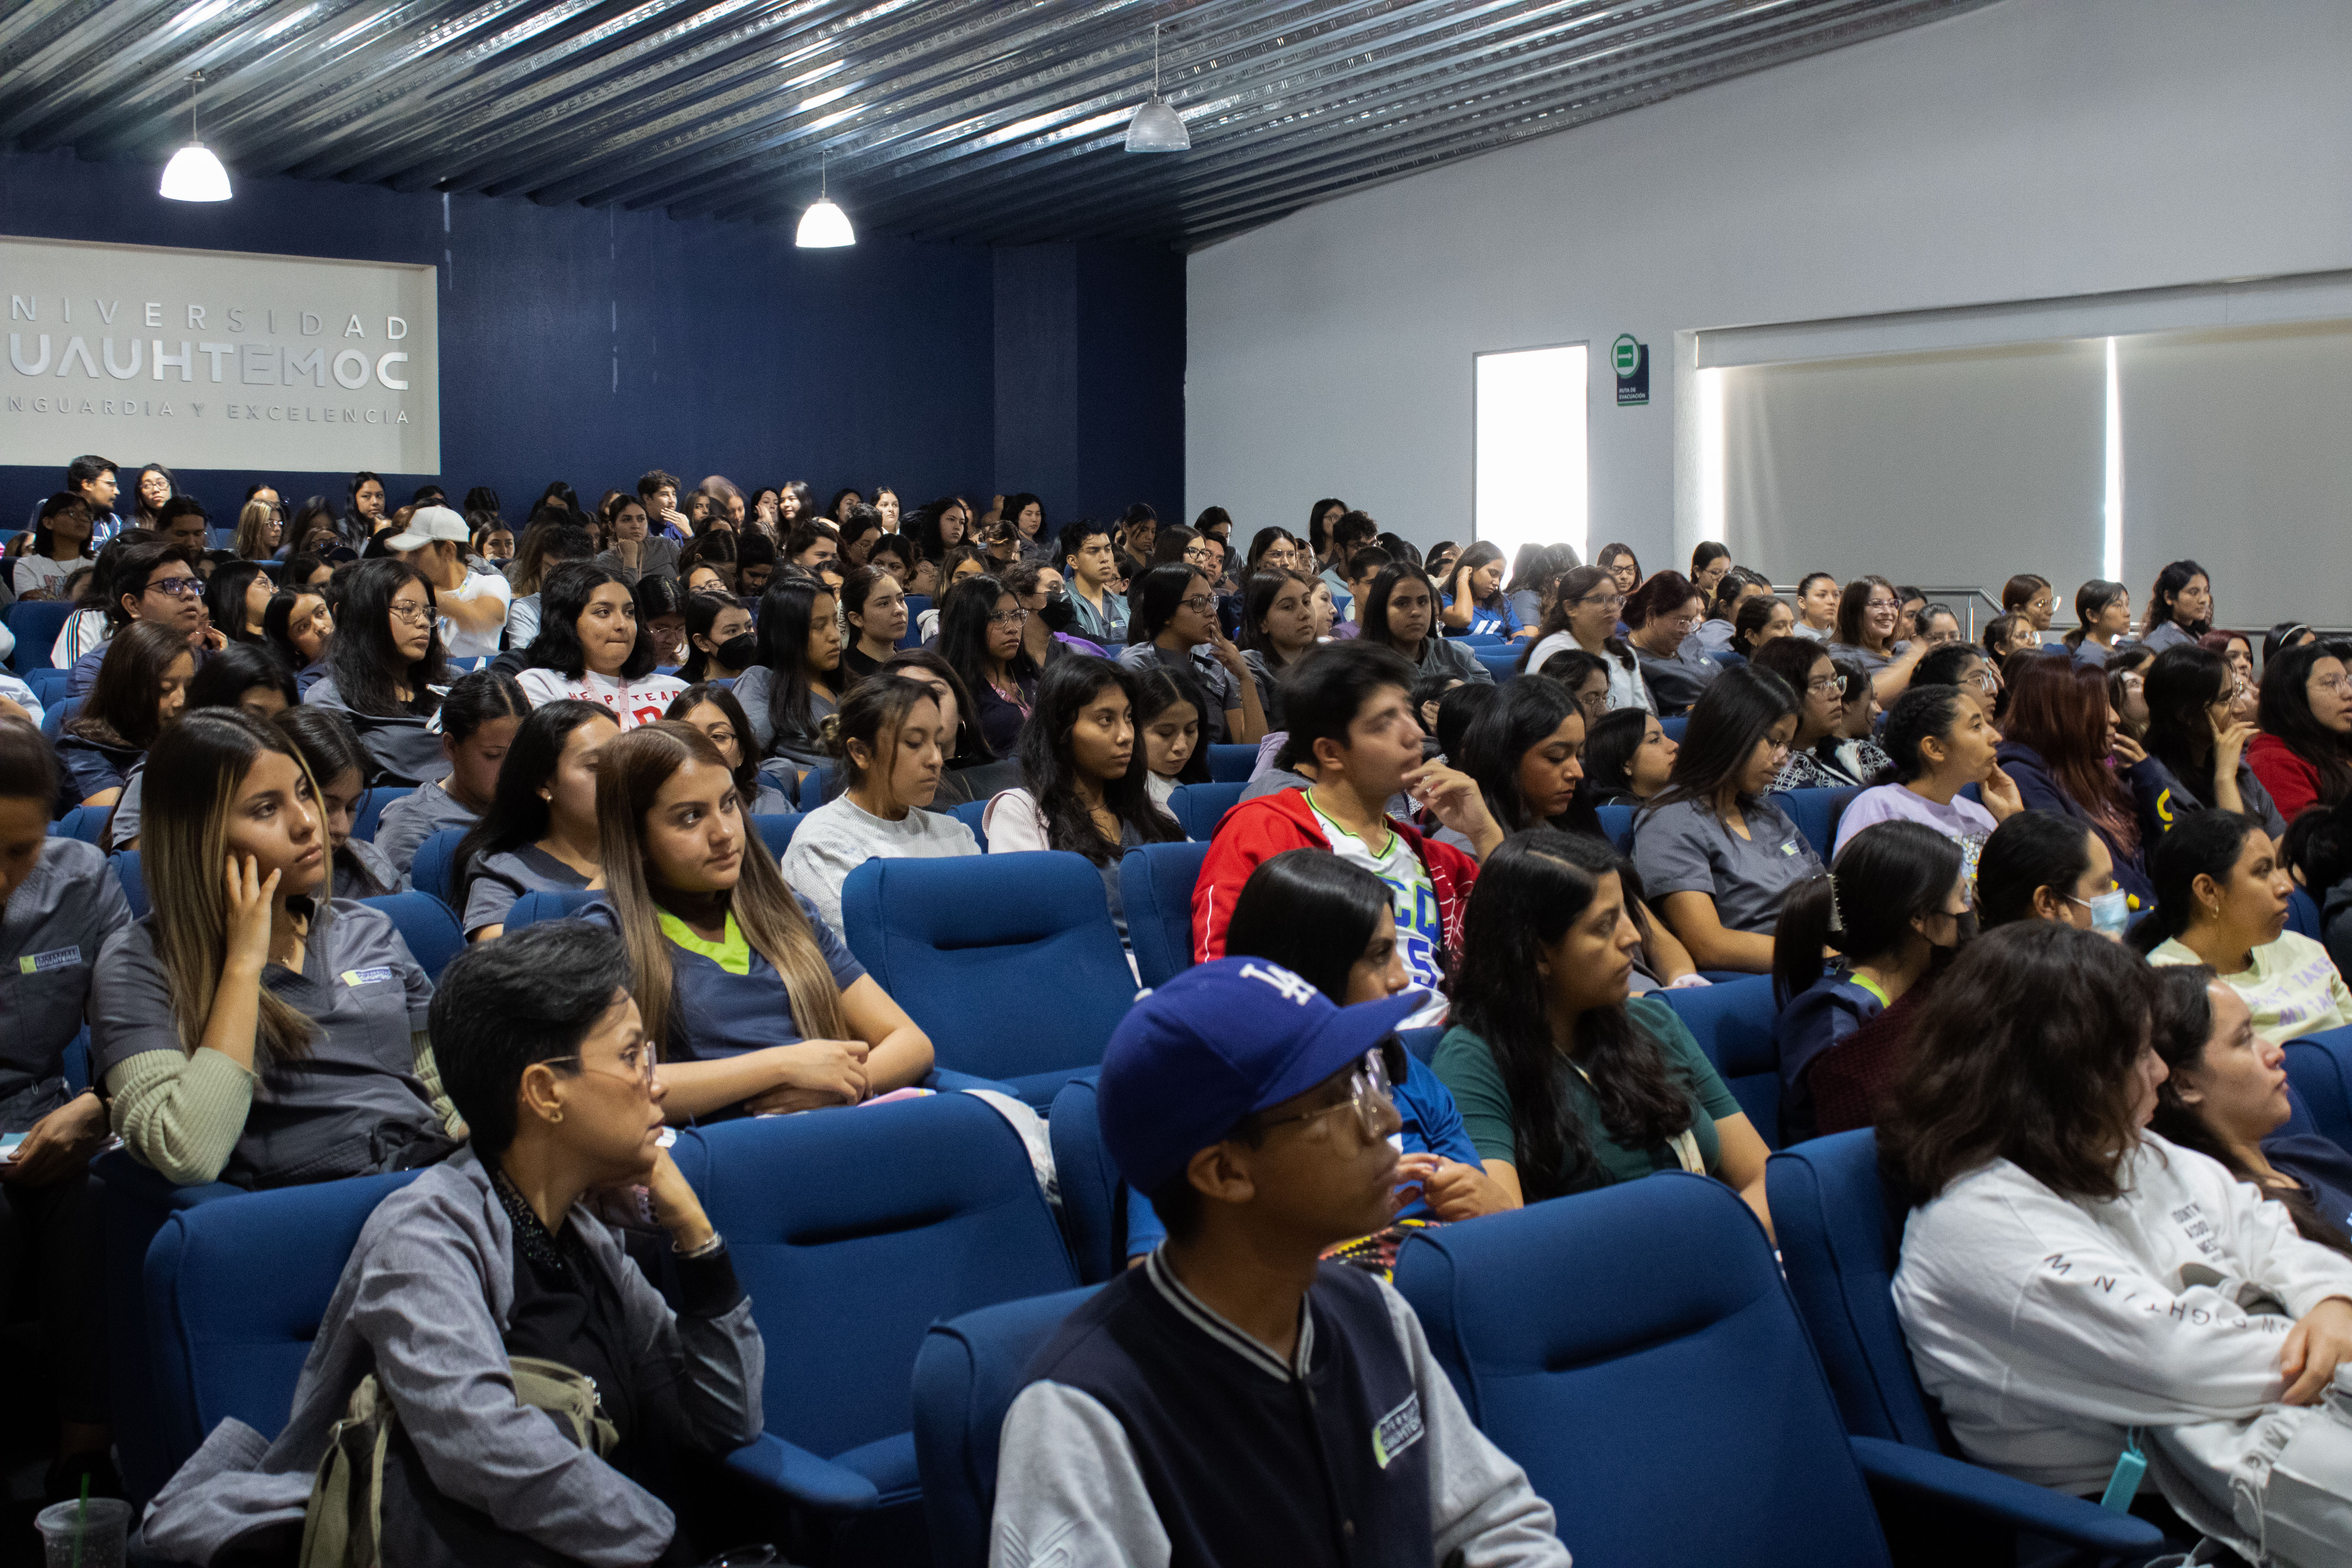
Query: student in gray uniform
[478, 720]
[59, 905]
[240, 676]
[797, 680]
[539, 832]
[1715, 853]
[331, 749]
[1401, 612]
[387, 669]
[141, 688]
[253, 1029]
[714, 710]
[755, 1003]
[1230, 1400]
[2179, 607]
[887, 747]
[493, 1257]
[1176, 624]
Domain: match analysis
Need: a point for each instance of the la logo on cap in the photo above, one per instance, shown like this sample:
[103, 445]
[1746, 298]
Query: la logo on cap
[1297, 991]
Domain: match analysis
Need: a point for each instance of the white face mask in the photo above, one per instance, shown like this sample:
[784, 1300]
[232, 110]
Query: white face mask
[2110, 912]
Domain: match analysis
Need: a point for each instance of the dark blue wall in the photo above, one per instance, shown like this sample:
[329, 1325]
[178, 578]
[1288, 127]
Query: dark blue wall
[591, 345]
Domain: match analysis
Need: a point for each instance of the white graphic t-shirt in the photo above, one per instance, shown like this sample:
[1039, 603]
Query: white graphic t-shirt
[1420, 931]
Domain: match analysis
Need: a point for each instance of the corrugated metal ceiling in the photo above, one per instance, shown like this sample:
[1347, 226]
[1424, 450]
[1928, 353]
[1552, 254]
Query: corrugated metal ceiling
[971, 120]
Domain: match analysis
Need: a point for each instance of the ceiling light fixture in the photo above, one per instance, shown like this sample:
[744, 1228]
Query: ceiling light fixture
[195, 174]
[1157, 127]
[824, 226]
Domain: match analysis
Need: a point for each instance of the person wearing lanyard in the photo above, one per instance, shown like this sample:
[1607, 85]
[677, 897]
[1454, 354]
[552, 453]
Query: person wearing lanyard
[58, 904]
[499, 1255]
[1896, 901]
[1160, 1423]
[254, 1028]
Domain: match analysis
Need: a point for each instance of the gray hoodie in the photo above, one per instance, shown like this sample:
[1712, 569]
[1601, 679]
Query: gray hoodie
[423, 1304]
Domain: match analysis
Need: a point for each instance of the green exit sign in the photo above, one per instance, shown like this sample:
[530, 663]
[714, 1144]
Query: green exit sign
[1630, 360]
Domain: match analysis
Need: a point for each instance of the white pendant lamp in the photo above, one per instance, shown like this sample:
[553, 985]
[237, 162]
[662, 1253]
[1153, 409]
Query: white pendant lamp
[1157, 127]
[195, 174]
[824, 226]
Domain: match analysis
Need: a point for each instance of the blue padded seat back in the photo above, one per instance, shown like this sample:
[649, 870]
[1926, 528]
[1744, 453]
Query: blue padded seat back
[974, 813]
[57, 715]
[1839, 1241]
[1232, 764]
[1198, 808]
[1590, 1388]
[2302, 914]
[86, 823]
[1816, 812]
[1010, 962]
[549, 904]
[36, 623]
[1673, 727]
[235, 1293]
[1502, 663]
[1155, 885]
[2319, 1070]
[916, 604]
[967, 1375]
[1094, 1196]
[135, 882]
[776, 829]
[1732, 1021]
[427, 926]
[856, 1230]
[1617, 824]
[372, 804]
[435, 864]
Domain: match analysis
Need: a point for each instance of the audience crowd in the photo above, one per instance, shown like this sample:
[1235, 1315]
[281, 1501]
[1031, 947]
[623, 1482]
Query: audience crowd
[2024, 902]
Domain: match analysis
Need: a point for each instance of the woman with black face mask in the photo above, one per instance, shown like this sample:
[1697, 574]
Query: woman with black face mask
[1038, 589]
[1894, 907]
[721, 643]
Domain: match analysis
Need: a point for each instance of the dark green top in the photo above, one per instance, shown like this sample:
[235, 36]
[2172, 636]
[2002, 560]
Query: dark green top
[1467, 1067]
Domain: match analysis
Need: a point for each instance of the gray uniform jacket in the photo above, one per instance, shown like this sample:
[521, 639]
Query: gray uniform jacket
[424, 1305]
[50, 930]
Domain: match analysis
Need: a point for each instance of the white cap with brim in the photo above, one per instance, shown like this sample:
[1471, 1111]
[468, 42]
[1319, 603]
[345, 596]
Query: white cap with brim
[426, 525]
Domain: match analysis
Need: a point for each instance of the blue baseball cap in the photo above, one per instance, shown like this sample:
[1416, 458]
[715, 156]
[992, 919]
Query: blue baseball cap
[1216, 1043]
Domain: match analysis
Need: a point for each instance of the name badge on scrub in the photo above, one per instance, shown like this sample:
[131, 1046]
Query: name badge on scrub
[358, 977]
[41, 963]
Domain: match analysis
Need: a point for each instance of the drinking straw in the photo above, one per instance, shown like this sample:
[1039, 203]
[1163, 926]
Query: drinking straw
[81, 1520]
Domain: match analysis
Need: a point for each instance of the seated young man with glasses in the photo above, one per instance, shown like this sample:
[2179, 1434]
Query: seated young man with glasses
[497, 1255]
[153, 582]
[1231, 1399]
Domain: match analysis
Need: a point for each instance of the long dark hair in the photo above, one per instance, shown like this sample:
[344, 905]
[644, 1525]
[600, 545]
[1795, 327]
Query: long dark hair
[1049, 765]
[518, 816]
[121, 711]
[1610, 742]
[563, 600]
[1159, 593]
[1312, 912]
[1258, 596]
[2180, 1025]
[2091, 602]
[2028, 1055]
[2060, 709]
[275, 629]
[702, 613]
[1529, 893]
[745, 774]
[787, 613]
[362, 660]
[971, 747]
[1375, 620]
[1737, 709]
[1521, 716]
[1571, 587]
[2287, 714]
[2176, 576]
[1157, 688]
[223, 678]
[2180, 686]
[2031, 850]
[963, 633]
[2203, 844]
[1887, 875]
[225, 598]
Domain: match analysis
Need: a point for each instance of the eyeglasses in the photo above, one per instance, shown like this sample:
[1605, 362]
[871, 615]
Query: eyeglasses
[177, 587]
[1683, 624]
[2333, 685]
[1984, 680]
[1201, 604]
[1197, 554]
[1604, 601]
[414, 614]
[1882, 604]
[1827, 686]
[1369, 1096]
[1008, 617]
[637, 1062]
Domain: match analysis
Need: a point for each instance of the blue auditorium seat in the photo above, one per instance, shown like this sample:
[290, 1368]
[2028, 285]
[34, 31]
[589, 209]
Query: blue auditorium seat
[1155, 885]
[966, 1377]
[1198, 808]
[48, 685]
[2319, 1070]
[916, 604]
[1816, 812]
[435, 864]
[224, 1348]
[1732, 1021]
[1584, 1387]
[855, 1230]
[1617, 823]
[372, 804]
[549, 904]
[2302, 914]
[135, 882]
[36, 623]
[86, 823]
[974, 813]
[1095, 1197]
[1422, 1043]
[1841, 1237]
[776, 829]
[1232, 764]
[427, 926]
[1675, 727]
[1502, 663]
[54, 715]
[1010, 962]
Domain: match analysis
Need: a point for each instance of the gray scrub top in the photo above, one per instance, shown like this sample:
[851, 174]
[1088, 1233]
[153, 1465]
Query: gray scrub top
[50, 933]
[413, 818]
[499, 879]
[1686, 849]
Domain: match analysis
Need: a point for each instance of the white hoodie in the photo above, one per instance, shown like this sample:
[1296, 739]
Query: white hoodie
[2045, 1327]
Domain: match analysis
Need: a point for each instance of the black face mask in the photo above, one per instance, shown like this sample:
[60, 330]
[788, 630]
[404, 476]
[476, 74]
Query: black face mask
[1058, 612]
[739, 652]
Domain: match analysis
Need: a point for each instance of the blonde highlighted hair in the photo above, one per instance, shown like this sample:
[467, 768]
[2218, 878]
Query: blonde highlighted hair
[630, 771]
[194, 772]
